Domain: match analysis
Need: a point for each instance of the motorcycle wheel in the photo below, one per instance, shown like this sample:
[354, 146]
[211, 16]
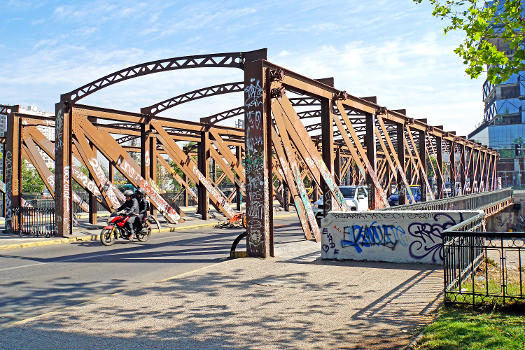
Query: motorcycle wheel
[106, 237]
[145, 233]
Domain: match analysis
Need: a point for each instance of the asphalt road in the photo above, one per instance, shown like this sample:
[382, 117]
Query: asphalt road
[34, 281]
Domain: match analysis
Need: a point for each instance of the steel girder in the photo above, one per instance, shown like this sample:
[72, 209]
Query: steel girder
[391, 148]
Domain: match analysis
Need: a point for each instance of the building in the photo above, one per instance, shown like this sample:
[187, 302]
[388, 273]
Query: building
[503, 125]
[47, 130]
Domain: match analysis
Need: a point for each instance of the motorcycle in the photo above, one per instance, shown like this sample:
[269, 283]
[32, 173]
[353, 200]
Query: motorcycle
[117, 228]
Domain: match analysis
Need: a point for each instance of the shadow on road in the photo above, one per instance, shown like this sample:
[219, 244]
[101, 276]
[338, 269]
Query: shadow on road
[248, 304]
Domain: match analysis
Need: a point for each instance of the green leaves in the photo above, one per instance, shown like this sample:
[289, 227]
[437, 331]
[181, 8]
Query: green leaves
[31, 181]
[494, 35]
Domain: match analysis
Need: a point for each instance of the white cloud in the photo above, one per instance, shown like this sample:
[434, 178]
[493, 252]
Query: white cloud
[45, 42]
[421, 77]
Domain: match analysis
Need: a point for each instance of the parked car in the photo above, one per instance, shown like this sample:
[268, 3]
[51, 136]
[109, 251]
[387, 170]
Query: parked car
[416, 192]
[356, 198]
[46, 194]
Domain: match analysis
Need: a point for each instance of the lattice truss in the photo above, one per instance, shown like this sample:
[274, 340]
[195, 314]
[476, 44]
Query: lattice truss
[321, 137]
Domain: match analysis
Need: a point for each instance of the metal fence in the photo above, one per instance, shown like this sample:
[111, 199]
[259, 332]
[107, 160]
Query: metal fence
[470, 201]
[483, 268]
[39, 222]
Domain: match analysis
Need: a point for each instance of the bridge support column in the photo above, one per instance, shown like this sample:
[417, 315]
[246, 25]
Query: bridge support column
[422, 150]
[204, 168]
[439, 159]
[327, 147]
[185, 191]
[400, 135]
[452, 168]
[337, 165]
[13, 168]
[463, 172]
[148, 159]
[238, 194]
[259, 192]
[370, 141]
[471, 169]
[63, 154]
[286, 197]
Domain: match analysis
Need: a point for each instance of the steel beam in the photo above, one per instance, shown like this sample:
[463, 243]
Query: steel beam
[439, 159]
[257, 122]
[370, 141]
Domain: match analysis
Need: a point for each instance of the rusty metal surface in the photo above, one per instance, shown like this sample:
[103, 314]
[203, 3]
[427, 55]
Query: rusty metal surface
[284, 113]
[225, 60]
[257, 163]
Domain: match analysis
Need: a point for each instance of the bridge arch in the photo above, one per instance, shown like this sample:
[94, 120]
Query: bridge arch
[225, 60]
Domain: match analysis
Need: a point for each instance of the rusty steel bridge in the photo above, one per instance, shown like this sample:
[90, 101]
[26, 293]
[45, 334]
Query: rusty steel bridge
[297, 131]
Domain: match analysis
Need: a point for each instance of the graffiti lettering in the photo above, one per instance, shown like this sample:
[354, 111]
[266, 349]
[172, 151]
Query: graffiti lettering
[429, 241]
[110, 190]
[253, 93]
[358, 236]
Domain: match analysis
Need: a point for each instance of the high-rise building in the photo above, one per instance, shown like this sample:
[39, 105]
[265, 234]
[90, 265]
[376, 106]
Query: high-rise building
[503, 125]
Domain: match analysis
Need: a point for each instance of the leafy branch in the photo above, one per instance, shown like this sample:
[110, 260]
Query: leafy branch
[494, 35]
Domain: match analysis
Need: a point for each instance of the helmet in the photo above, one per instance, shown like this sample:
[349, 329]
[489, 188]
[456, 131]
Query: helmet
[128, 193]
[140, 191]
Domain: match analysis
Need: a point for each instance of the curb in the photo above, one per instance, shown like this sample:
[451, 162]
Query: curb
[96, 237]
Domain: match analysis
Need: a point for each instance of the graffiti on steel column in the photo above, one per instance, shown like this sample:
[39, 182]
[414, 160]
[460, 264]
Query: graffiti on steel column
[254, 94]
[129, 171]
[81, 203]
[256, 184]
[429, 241]
[76, 198]
[108, 187]
[373, 234]
[302, 193]
[59, 129]
[9, 192]
[65, 198]
[213, 191]
[85, 181]
[146, 156]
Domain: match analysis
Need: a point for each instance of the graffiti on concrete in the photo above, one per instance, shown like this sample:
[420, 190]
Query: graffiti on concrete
[373, 234]
[403, 236]
[428, 240]
[330, 244]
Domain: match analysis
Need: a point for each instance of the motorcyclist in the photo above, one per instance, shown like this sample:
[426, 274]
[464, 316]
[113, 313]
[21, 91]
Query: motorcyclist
[140, 194]
[130, 208]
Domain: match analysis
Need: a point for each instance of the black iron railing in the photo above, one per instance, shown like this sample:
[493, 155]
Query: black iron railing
[39, 222]
[483, 268]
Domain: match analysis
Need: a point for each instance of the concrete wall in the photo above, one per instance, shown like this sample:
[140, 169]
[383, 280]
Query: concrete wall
[511, 219]
[402, 236]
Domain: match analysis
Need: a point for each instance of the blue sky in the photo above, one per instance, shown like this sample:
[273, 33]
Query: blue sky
[394, 50]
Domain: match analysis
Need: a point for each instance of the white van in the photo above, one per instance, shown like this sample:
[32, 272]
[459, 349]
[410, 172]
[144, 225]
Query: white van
[356, 198]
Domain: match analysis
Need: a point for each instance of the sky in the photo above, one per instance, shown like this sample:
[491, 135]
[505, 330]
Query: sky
[392, 49]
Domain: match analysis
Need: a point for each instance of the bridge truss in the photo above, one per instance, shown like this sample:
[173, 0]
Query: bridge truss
[301, 138]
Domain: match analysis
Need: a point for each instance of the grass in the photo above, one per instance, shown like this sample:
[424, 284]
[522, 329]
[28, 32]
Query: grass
[487, 285]
[461, 328]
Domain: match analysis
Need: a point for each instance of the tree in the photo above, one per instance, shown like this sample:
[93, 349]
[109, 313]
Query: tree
[494, 33]
[31, 181]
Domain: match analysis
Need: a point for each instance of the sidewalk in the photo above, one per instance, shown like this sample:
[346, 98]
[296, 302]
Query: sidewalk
[295, 301]
[87, 232]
